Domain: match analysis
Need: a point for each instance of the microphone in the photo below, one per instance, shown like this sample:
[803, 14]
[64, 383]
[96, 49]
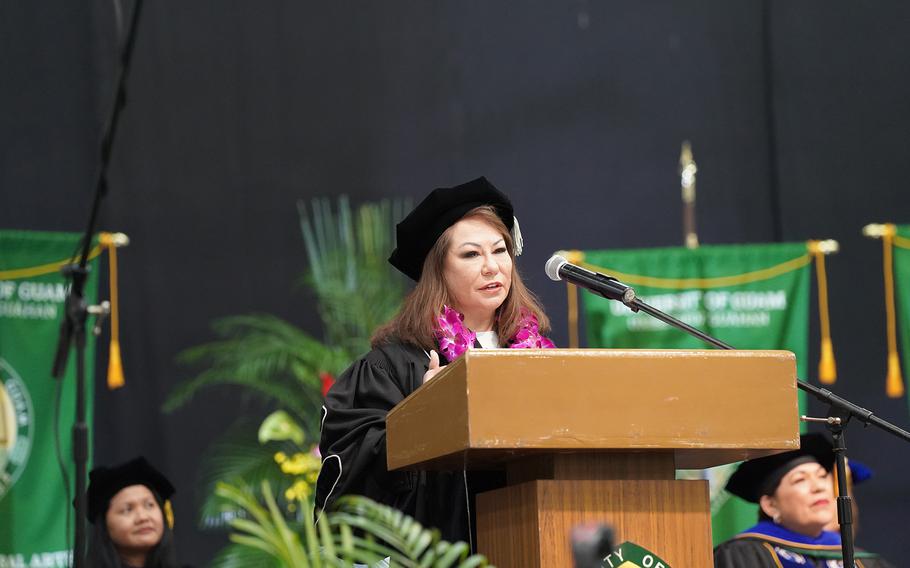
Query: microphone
[558, 268]
[591, 544]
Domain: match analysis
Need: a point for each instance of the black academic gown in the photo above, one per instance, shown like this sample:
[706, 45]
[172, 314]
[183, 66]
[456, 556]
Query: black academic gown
[771, 546]
[353, 446]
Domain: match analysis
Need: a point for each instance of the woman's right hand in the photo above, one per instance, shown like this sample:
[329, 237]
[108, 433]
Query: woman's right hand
[433, 368]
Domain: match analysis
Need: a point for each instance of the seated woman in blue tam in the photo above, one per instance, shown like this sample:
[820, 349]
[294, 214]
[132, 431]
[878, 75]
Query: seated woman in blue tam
[795, 494]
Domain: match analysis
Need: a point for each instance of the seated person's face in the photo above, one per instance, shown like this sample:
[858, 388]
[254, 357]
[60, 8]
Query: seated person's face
[134, 520]
[803, 499]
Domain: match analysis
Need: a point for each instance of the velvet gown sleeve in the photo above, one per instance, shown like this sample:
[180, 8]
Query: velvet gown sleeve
[353, 434]
[754, 553]
[744, 553]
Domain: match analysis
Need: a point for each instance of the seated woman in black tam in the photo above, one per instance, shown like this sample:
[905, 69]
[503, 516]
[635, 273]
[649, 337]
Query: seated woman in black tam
[127, 509]
[794, 492]
[459, 244]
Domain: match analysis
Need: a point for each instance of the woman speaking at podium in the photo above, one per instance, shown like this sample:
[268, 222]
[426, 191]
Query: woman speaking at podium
[795, 493]
[459, 245]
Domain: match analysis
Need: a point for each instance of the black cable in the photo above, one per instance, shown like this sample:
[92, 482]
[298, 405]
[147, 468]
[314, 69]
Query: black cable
[118, 43]
[61, 462]
[72, 328]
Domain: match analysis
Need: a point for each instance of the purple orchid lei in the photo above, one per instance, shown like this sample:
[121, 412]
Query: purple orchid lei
[455, 338]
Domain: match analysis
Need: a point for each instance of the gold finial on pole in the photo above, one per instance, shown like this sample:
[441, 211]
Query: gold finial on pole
[826, 247]
[878, 230]
[687, 170]
[120, 240]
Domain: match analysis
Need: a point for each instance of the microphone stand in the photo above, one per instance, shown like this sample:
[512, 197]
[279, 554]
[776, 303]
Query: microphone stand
[76, 311]
[840, 411]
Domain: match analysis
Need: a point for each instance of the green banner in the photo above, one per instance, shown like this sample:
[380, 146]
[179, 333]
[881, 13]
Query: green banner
[749, 296]
[33, 501]
[630, 555]
[902, 293]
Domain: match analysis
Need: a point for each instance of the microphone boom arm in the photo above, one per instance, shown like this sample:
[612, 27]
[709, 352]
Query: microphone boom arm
[840, 410]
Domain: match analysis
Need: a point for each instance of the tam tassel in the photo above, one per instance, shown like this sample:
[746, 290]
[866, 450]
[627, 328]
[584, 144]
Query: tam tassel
[517, 241]
[169, 514]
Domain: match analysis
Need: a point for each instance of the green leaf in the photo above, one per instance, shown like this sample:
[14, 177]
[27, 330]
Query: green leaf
[413, 544]
[240, 556]
[325, 540]
[266, 355]
[357, 290]
[474, 561]
[238, 457]
[290, 542]
[255, 543]
[450, 555]
[386, 533]
[279, 426]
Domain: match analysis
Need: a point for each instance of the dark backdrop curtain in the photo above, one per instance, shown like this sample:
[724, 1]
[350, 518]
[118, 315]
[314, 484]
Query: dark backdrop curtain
[797, 113]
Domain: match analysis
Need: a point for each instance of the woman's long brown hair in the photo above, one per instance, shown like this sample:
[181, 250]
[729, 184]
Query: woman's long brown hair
[416, 319]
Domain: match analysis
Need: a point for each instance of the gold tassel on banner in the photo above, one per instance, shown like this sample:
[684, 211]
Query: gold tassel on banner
[575, 257]
[827, 367]
[894, 382]
[112, 241]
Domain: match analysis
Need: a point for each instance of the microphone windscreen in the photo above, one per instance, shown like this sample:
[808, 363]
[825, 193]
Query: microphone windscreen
[553, 265]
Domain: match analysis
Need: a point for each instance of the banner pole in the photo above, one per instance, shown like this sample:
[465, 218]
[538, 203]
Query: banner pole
[687, 171]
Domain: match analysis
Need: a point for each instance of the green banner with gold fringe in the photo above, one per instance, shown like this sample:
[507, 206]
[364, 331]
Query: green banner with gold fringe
[749, 296]
[33, 501]
[901, 242]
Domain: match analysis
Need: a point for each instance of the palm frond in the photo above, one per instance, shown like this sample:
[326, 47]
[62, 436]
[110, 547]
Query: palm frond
[414, 544]
[259, 533]
[267, 531]
[241, 459]
[239, 556]
[287, 394]
[356, 291]
[269, 341]
[356, 288]
[360, 530]
[265, 355]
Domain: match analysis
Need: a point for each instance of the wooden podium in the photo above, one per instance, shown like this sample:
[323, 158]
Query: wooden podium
[596, 435]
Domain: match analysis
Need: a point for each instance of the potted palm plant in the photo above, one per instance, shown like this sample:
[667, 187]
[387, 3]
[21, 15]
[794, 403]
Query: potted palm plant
[290, 369]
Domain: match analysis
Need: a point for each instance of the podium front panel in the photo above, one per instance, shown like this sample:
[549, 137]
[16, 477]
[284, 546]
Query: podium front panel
[490, 406]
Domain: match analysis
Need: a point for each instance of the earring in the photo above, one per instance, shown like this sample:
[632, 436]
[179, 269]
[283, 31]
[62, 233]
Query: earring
[776, 519]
